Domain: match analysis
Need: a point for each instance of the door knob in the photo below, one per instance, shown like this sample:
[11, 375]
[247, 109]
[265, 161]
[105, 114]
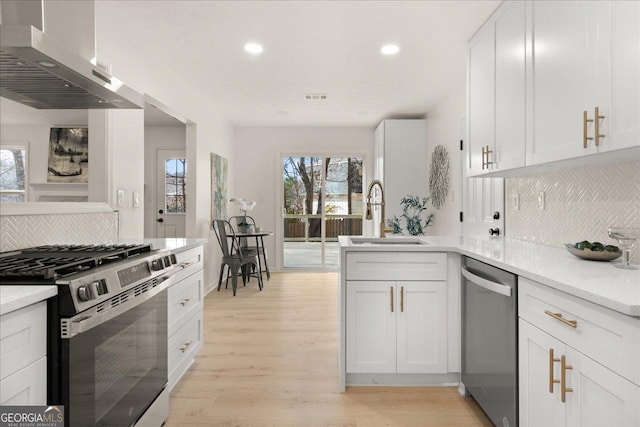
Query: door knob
[160, 211]
[494, 231]
[160, 220]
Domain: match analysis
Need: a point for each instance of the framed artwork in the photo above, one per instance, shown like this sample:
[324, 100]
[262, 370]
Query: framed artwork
[219, 172]
[68, 155]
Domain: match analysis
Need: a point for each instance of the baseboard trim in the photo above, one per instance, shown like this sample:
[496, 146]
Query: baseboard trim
[449, 379]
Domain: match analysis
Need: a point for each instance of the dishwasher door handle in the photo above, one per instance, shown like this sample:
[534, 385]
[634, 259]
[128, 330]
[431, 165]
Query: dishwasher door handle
[487, 284]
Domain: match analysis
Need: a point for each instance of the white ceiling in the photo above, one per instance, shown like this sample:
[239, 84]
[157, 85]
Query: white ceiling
[328, 47]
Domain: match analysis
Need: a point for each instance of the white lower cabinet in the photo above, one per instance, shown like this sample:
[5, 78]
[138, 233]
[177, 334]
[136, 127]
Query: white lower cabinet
[578, 362]
[23, 356]
[185, 314]
[396, 327]
[593, 395]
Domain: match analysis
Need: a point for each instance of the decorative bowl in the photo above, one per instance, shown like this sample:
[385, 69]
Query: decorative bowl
[592, 255]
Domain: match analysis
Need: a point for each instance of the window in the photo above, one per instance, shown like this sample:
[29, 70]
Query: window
[13, 172]
[175, 185]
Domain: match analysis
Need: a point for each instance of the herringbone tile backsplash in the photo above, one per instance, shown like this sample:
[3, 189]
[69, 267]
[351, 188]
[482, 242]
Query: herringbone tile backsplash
[23, 231]
[580, 204]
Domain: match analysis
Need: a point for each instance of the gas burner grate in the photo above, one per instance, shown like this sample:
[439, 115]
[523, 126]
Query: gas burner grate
[58, 261]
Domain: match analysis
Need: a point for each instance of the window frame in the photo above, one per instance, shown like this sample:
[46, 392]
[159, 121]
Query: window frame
[18, 145]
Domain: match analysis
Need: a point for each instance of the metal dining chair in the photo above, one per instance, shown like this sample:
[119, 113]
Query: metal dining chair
[259, 247]
[234, 257]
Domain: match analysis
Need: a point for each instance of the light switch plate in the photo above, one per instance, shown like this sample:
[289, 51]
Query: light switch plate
[136, 199]
[120, 198]
[541, 200]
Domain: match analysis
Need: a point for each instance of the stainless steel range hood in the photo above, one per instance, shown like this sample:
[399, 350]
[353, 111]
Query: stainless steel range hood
[39, 71]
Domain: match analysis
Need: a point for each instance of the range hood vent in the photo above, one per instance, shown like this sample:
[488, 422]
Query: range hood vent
[37, 71]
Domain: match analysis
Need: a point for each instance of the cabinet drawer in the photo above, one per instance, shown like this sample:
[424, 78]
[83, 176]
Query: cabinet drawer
[27, 386]
[23, 338]
[606, 336]
[182, 346]
[396, 266]
[189, 262]
[184, 296]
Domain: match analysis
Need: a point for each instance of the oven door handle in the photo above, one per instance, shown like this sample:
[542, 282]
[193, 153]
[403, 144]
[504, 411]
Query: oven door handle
[91, 318]
[487, 284]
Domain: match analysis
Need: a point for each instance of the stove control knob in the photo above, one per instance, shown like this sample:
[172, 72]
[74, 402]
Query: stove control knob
[84, 293]
[157, 264]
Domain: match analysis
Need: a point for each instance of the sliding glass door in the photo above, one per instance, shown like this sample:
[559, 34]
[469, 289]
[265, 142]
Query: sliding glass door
[322, 200]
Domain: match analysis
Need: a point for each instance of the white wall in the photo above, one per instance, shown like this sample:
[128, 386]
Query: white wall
[444, 128]
[157, 138]
[207, 133]
[127, 151]
[258, 170]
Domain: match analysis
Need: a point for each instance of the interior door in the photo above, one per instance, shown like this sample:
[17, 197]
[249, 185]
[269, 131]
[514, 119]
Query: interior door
[171, 199]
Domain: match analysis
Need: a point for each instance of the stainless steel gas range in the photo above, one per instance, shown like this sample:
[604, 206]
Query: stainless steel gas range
[107, 329]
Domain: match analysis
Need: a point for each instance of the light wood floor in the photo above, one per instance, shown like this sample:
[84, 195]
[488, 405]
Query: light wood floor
[270, 359]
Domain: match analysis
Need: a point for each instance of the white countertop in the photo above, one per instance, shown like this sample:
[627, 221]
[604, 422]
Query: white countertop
[597, 282]
[16, 297]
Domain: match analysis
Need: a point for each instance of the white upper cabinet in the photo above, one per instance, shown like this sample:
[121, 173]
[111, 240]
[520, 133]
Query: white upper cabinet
[624, 126]
[539, 74]
[510, 88]
[569, 67]
[400, 152]
[481, 98]
[496, 92]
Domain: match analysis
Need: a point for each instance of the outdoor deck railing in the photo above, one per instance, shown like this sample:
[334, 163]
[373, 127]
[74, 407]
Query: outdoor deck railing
[306, 228]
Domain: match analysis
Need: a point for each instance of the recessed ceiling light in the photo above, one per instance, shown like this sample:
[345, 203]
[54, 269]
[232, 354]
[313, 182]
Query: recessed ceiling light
[389, 49]
[253, 48]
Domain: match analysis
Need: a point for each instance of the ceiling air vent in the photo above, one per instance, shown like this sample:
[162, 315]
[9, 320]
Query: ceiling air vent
[316, 97]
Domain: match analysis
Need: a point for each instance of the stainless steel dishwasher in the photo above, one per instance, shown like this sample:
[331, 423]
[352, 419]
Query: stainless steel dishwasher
[490, 340]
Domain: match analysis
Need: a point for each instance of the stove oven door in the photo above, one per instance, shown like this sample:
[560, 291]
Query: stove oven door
[113, 368]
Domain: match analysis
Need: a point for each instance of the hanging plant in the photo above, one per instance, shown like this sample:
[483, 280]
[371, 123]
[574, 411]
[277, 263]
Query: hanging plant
[439, 176]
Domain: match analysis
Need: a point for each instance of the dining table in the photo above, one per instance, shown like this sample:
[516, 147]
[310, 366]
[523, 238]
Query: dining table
[259, 236]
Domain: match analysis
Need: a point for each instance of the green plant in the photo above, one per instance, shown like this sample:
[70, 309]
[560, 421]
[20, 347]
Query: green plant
[413, 207]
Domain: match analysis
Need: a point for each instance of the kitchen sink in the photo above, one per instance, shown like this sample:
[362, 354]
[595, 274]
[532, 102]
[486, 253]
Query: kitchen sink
[388, 241]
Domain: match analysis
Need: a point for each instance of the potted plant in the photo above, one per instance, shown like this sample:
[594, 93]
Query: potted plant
[244, 226]
[413, 208]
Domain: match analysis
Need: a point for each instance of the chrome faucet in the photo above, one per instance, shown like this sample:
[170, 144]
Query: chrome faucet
[369, 216]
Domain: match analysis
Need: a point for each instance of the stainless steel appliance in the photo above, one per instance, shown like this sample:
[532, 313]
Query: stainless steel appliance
[490, 340]
[107, 337]
[42, 71]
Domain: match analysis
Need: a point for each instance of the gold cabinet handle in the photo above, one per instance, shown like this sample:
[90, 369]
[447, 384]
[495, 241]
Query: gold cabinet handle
[186, 346]
[402, 299]
[563, 379]
[552, 360]
[596, 120]
[558, 316]
[392, 299]
[585, 131]
[185, 301]
[488, 151]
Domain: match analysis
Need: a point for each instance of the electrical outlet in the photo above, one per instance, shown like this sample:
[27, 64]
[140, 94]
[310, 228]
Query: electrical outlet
[515, 201]
[136, 199]
[120, 198]
[541, 200]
